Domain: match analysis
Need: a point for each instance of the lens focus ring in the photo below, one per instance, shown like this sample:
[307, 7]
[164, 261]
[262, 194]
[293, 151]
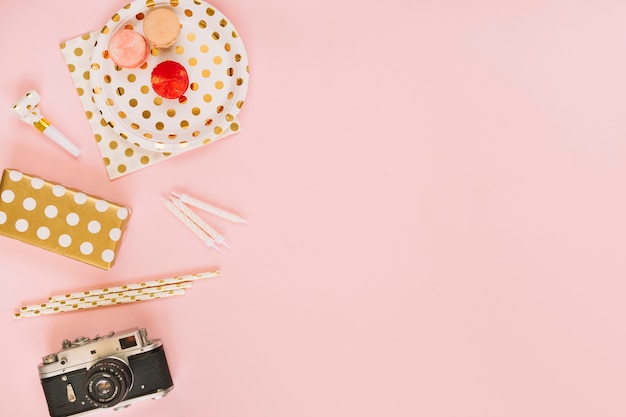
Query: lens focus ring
[108, 382]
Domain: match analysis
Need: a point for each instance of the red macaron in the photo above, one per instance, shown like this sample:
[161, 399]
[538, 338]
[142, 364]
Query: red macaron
[169, 79]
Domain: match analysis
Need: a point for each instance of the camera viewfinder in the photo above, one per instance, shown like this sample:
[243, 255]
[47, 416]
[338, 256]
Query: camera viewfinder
[128, 342]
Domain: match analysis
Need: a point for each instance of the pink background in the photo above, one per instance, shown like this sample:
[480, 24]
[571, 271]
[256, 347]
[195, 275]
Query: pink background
[435, 192]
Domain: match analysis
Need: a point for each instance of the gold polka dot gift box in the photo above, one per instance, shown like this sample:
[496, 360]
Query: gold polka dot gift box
[133, 126]
[61, 219]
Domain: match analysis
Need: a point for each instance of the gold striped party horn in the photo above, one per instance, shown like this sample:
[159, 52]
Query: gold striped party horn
[100, 303]
[138, 285]
[27, 110]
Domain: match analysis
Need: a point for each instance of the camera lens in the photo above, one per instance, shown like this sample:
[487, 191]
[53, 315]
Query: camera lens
[108, 382]
[103, 388]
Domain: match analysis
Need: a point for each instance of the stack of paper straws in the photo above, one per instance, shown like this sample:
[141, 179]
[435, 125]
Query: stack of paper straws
[129, 293]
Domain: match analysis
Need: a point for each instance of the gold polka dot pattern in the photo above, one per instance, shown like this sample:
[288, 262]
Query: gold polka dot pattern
[214, 57]
[103, 134]
[61, 219]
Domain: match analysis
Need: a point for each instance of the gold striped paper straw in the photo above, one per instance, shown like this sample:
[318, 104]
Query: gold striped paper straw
[138, 285]
[98, 297]
[104, 300]
[100, 303]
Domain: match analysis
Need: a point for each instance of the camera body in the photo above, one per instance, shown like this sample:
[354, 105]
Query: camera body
[112, 371]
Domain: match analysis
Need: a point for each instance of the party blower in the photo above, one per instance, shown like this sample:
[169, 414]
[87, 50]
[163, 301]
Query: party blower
[27, 110]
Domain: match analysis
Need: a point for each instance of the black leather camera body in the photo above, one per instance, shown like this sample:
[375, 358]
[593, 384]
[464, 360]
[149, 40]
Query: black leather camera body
[111, 371]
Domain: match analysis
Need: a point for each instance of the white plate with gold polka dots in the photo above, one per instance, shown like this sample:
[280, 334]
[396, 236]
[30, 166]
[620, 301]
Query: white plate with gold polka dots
[213, 54]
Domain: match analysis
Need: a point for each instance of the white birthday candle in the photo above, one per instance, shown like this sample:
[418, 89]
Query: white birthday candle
[209, 241]
[219, 238]
[185, 198]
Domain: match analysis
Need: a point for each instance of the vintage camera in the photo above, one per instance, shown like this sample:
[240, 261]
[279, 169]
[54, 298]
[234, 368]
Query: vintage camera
[111, 371]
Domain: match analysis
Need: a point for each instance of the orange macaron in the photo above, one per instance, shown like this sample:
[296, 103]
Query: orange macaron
[161, 26]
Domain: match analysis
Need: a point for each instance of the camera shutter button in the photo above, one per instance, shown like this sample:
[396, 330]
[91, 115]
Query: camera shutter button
[79, 341]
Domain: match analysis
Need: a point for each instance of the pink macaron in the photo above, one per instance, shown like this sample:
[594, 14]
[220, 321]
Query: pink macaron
[128, 49]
